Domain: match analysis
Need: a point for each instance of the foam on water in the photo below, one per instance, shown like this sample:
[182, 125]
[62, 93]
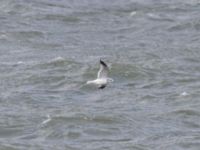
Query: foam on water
[59, 58]
[184, 94]
[20, 62]
[133, 13]
[47, 120]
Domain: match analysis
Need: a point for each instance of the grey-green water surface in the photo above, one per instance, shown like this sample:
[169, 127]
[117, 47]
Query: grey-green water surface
[50, 48]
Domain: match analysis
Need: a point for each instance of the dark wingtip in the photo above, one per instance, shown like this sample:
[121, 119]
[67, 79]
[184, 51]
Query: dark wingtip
[103, 63]
[102, 87]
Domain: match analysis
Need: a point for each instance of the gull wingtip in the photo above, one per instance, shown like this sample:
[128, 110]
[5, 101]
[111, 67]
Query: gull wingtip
[103, 63]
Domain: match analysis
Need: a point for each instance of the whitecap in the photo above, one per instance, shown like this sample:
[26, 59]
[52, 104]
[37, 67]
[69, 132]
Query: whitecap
[184, 94]
[20, 62]
[133, 13]
[59, 58]
[47, 120]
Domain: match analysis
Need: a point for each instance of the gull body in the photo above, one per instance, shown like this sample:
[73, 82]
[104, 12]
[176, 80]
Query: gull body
[102, 76]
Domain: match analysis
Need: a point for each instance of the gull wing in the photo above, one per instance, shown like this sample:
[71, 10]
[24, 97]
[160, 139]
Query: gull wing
[103, 71]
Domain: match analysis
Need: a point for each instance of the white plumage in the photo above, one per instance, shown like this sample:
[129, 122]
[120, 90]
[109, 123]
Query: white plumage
[102, 76]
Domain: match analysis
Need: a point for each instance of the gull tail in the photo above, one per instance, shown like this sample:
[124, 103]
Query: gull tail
[89, 82]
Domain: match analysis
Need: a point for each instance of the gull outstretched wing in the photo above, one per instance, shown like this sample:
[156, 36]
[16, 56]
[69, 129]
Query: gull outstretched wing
[103, 71]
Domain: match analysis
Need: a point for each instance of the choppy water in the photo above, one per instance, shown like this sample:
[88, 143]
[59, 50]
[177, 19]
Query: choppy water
[50, 48]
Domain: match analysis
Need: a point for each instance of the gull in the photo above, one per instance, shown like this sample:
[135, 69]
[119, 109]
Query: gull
[102, 76]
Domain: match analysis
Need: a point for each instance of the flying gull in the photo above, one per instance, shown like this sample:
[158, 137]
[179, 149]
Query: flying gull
[102, 76]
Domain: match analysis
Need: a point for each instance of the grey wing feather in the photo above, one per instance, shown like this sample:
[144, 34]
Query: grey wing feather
[103, 71]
